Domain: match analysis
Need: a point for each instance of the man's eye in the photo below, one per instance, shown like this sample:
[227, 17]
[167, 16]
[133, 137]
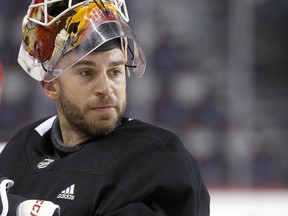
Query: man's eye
[116, 72]
[85, 73]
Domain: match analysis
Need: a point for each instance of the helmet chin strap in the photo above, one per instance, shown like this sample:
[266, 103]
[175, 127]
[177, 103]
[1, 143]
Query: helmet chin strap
[60, 41]
[33, 67]
[124, 47]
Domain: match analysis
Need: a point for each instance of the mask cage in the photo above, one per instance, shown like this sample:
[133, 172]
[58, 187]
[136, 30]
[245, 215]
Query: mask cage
[41, 9]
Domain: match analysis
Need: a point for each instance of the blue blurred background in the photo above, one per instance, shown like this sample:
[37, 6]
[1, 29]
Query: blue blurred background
[216, 76]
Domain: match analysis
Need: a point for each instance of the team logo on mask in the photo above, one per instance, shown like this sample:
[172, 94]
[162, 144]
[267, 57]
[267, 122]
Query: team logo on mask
[45, 163]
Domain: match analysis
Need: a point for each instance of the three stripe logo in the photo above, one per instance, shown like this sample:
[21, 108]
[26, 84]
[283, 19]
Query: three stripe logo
[68, 193]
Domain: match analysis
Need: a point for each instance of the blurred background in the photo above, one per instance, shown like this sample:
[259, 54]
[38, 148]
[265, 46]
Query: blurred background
[216, 75]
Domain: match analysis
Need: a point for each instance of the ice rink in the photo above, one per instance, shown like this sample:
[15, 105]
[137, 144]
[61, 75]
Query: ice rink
[249, 202]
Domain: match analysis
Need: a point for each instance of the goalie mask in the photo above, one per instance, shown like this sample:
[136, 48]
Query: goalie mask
[54, 28]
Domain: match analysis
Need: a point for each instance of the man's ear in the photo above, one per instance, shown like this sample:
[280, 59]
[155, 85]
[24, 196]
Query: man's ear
[51, 89]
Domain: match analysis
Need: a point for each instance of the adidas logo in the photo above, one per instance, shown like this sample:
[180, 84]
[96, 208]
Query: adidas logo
[67, 194]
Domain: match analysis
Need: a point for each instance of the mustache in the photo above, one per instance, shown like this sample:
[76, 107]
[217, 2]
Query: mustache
[96, 102]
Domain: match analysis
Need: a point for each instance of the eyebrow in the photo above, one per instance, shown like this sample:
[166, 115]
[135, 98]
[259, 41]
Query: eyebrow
[92, 63]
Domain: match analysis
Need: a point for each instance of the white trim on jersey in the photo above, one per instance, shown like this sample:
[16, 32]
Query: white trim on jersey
[45, 126]
[2, 145]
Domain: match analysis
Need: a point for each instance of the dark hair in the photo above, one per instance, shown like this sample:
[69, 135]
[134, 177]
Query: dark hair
[111, 44]
[58, 7]
[95, 39]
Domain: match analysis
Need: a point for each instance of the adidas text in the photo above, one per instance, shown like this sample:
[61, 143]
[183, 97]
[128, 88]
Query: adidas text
[66, 196]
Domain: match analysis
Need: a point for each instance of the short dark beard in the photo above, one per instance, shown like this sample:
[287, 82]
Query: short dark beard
[76, 119]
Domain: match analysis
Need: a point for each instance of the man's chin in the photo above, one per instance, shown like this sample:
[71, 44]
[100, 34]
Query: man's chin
[105, 125]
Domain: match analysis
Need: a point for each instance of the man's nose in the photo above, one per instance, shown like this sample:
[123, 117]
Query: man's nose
[103, 86]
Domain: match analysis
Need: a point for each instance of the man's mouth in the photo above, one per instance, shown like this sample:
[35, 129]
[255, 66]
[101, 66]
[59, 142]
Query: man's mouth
[103, 108]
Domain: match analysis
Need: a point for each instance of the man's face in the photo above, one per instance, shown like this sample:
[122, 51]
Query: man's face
[92, 94]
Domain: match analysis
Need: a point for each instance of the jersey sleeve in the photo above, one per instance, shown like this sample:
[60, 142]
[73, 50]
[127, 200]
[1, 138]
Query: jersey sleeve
[11, 204]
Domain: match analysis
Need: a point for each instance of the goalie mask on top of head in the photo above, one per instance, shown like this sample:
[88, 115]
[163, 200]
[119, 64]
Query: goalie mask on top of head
[54, 28]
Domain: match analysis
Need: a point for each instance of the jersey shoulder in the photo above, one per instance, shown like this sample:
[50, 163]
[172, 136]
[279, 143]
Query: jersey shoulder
[151, 135]
[140, 146]
[33, 131]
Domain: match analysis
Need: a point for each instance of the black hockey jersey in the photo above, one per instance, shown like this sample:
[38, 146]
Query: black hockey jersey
[137, 170]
